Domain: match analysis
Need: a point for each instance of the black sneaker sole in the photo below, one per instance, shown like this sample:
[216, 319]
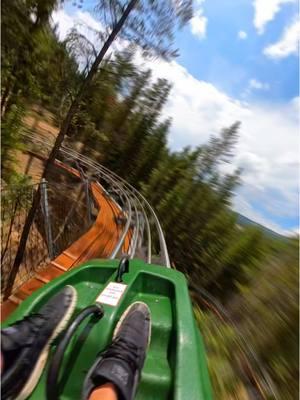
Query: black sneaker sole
[41, 361]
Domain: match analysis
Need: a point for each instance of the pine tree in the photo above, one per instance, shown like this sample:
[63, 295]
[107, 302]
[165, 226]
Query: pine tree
[24, 30]
[151, 26]
[154, 149]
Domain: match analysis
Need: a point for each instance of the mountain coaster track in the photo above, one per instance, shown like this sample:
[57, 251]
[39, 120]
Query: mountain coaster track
[106, 238]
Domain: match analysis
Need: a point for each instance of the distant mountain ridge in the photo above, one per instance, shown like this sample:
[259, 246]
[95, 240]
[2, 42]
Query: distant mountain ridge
[244, 221]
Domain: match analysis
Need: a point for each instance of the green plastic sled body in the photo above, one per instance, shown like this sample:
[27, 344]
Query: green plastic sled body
[175, 366]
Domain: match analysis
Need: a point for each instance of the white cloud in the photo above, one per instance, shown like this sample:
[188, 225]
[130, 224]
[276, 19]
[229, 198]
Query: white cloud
[82, 20]
[198, 23]
[242, 35]
[268, 146]
[255, 84]
[287, 44]
[64, 23]
[265, 11]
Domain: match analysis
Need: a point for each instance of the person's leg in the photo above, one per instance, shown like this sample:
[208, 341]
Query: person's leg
[107, 391]
[25, 344]
[121, 363]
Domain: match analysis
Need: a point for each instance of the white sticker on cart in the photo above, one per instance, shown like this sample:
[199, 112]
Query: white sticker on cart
[112, 294]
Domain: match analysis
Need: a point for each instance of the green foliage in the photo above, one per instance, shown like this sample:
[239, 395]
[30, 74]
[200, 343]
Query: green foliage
[222, 349]
[151, 25]
[25, 33]
[10, 139]
[191, 196]
[261, 325]
[36, 68]
[273, 330]
[19, 189]
[119, 123]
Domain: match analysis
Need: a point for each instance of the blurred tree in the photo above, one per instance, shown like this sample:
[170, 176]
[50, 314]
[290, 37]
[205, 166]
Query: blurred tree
[10, 129]
[267, 313]
[24, 27]
[26, 38]
[141, 126]
[147, 24]
[241, 252]
[191, 195]
[117, 119]
[153, 150]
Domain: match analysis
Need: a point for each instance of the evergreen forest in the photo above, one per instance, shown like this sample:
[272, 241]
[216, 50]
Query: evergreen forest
[244, 282]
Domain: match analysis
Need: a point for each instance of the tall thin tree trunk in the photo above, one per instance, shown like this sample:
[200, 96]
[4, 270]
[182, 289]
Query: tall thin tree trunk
[4, 99]
[8, 91]
[62, 133]
[10, 230]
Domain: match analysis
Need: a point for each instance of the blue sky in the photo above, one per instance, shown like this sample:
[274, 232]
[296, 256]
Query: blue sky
[229, 62]
[238, 61]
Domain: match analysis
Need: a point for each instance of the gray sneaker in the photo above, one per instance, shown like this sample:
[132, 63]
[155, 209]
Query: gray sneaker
[121, 363]
[25, 344]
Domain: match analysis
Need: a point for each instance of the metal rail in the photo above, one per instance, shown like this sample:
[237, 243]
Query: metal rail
[133, 199]
[163, 245]
[105, 177]
[120, 242]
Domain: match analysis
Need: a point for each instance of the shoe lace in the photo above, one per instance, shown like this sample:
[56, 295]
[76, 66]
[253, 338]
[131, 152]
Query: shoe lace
[124, 350]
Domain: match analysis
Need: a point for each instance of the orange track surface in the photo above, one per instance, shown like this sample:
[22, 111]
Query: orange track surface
[98, 241]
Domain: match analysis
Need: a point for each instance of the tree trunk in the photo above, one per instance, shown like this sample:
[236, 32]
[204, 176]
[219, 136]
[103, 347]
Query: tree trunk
[4, 99]
[3, 252]
[63, 131]
[9, 91]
